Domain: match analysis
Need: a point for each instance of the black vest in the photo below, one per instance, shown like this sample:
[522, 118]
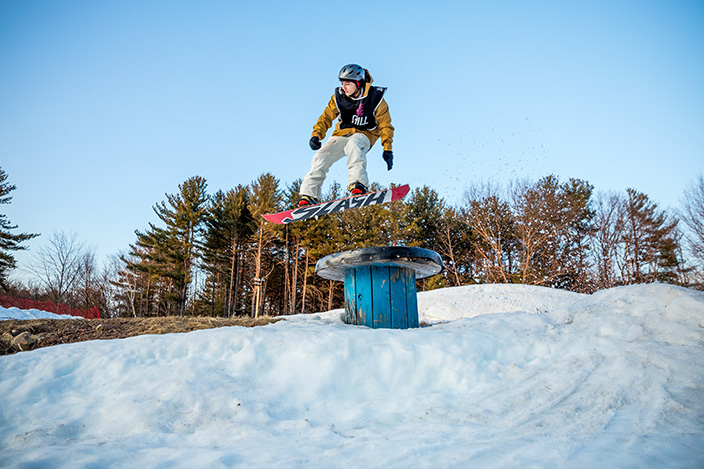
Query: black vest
[354, 115]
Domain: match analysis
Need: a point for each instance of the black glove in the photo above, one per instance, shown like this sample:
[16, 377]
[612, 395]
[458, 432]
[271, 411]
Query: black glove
[389, 158]
[314, 143]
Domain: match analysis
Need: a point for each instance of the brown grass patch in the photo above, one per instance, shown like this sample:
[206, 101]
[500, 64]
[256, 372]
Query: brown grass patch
[48, 332]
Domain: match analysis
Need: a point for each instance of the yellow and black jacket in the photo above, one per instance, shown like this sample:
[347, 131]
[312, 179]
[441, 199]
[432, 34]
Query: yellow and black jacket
[368, 114]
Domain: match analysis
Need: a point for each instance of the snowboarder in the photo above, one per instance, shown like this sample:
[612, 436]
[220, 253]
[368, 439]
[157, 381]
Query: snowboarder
[363, 118]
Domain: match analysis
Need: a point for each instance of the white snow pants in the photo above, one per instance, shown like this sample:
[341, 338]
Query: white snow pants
[355, 146]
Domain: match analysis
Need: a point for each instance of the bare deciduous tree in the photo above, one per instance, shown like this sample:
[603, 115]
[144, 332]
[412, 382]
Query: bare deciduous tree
[692, 214]
[552, 224]
[492, 222]
[606, 239]
[62, 264]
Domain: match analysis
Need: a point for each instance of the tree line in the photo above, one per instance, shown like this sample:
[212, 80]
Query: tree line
[213, 254]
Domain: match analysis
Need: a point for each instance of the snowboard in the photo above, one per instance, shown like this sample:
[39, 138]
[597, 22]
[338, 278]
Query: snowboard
[355, 201]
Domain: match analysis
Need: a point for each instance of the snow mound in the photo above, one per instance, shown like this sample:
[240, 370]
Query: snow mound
[26, 314]
[613, 379]
[474, 300]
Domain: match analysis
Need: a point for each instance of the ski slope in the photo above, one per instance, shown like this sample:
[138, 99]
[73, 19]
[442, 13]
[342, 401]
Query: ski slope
[504, 376]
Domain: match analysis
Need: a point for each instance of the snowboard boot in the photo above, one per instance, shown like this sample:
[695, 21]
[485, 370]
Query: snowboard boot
[357, 188]
[306, 201]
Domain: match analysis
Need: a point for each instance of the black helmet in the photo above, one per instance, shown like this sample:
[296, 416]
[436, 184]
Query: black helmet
[352, 72]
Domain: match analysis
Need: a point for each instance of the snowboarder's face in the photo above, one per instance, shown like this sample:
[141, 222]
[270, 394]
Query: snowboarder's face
[350, 88]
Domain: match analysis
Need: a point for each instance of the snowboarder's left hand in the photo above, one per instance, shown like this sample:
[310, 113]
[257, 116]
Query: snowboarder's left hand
[389, 158]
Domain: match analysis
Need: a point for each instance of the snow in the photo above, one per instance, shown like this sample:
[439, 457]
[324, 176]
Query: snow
[26, 314]
[504, 376]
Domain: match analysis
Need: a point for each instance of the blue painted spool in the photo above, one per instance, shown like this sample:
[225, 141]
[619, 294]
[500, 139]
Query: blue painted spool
[380, 283]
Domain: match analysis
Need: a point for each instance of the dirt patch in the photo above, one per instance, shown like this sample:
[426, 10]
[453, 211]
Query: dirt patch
[16, 336]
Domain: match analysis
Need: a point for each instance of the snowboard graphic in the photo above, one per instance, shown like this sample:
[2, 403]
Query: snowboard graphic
[358, 201]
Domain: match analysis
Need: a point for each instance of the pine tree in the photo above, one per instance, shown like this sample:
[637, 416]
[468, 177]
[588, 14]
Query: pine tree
[228, 225]
[300, 239]
[265, 197]
[171, 252]
[425, 210]
[240, 226]
[9, 242]
[573, 264]
[649, 241]
[378, 225]
[147, 269]
[213, 255]
[315, 239]
[292, 240]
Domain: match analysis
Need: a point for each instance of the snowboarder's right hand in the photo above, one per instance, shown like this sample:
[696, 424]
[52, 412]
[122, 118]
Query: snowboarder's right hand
[314, 143]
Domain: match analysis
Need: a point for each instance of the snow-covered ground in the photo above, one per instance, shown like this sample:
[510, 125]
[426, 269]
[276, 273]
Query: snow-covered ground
[505, 376]
[25, 314]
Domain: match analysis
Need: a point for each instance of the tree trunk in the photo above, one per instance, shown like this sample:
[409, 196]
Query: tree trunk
[294, 280]
[229, 308]
[305, 284]
[331, 291]
[257, 273]
[238, 280]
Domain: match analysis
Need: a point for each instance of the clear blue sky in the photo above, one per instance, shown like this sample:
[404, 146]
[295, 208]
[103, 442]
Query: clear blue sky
[105, 106]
